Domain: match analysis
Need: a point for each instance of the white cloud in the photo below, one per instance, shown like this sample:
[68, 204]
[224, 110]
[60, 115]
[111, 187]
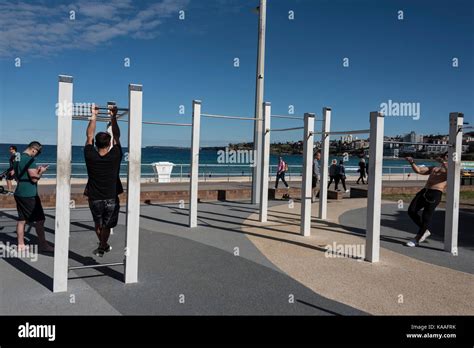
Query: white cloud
[37, 28]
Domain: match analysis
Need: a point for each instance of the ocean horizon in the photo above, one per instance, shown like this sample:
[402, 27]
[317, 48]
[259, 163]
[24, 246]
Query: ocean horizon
[209, 160]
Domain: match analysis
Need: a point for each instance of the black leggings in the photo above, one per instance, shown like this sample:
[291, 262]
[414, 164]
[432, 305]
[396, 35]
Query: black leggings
[342, 179]
[282, 177]
[334, 178]
[361, 177]
[427, 200]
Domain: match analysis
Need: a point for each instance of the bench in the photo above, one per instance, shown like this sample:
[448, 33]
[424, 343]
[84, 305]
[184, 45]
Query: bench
[357, 192]
[337, 195]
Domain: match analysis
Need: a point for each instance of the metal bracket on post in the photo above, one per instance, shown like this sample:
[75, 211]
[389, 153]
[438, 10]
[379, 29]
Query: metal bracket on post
[63, 183]
[374, 195]
[194, 179]
[323, 168]
[135, 96]
[265, 162]
[306, 189]
[451, 223]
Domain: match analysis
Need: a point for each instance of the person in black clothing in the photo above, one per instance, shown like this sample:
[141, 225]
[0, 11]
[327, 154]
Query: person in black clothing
[103, 185]
[10, 174]
[333, 174]
[341, 175]
[315, 176]
[361, 171]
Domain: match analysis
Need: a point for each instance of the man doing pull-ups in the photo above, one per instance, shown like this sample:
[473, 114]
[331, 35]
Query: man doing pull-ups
[103, 185]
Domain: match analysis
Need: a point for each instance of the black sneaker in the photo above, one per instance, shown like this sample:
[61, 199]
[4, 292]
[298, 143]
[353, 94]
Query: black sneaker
[101, 251]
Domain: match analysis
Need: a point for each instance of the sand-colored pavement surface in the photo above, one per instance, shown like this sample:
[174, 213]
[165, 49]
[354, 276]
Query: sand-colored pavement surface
[397, 285]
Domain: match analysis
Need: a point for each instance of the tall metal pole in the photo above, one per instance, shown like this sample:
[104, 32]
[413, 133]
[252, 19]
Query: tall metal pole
[258, 126]
[456, 120]
[374, 194]
[63, 183]
[324, 163]
[306, 190]
[194, 180]
[265, 162]
[135, 104]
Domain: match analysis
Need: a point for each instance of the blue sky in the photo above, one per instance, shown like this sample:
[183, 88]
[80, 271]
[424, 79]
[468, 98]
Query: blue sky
[181, 60]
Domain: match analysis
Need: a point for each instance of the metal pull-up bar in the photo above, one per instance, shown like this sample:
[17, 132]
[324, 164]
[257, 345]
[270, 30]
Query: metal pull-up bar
[63, 182]
[231, 117]
[358, 131]
[108, 119]
[168, 124]
[288, 117]
[283, 129]
[99, 265]
[308, 140]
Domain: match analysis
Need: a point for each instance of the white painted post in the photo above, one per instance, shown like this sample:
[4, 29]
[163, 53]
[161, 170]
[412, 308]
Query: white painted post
[135, 97]
[374, 195]
[258, 126]
[324, 162]
[267, 111]
[64, 111]
[194, 179]
[451, 223]
[306, 189]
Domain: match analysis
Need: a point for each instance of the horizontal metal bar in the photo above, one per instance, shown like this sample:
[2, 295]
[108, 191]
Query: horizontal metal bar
[107, 119]
[107, 108]
[97, 266]
[289, 117]
[359, 131]
[284, 129]
[231, 117]
[98, 119]
[168, 124]
[413, 143]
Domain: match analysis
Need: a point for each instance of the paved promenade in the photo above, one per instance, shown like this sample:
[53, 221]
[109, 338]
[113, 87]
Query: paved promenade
[233, 265]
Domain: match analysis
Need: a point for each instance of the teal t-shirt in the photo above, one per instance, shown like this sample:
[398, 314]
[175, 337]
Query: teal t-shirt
[25, 187]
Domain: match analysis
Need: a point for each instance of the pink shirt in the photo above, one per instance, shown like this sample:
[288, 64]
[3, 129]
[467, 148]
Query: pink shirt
[281, 166]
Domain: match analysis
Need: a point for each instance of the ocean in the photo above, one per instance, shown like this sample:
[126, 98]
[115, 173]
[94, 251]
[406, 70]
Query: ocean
[210, 165]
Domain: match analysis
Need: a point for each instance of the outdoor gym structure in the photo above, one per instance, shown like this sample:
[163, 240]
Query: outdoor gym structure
[263, 161]
[374, 196]
[67, 111]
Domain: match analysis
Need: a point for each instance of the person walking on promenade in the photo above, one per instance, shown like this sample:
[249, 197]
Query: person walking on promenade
[9, 176]
[361, 170]
[281, 171]
[316, 174]
[341, 176]
[333, 174]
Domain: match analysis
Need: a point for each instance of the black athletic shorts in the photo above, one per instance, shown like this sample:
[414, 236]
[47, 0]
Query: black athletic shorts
[29, 209]
[105, 212]
[314, 181]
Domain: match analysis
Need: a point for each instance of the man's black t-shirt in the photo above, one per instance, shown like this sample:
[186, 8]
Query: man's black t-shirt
[104, 181]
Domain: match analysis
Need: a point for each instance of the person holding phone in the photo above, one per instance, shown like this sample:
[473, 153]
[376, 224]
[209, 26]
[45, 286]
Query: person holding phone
[28, 203]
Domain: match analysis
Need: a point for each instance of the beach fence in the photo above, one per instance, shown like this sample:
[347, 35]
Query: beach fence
[228, 172]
